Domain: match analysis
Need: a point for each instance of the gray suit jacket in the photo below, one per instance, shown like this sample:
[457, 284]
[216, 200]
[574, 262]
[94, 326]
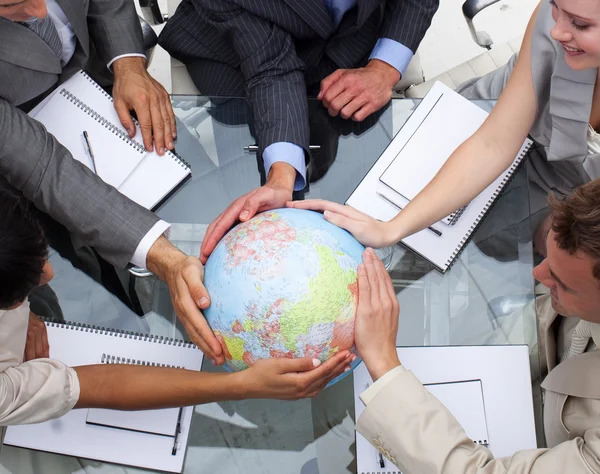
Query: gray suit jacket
[33, 161]
[272, 49]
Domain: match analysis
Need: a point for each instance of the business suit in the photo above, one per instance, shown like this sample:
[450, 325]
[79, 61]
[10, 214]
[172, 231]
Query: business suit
[418, 434]
[33, 161]
[272, 51]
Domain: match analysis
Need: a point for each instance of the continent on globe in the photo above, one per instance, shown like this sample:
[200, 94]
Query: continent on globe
[283, 284]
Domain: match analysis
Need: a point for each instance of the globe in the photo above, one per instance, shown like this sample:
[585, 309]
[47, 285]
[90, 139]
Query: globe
[283, 284]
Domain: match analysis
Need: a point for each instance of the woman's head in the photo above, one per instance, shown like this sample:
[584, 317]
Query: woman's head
[23, 250]
[577, 29]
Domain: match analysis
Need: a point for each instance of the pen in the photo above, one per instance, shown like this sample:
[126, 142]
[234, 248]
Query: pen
[177, 431]
[381, 462]
[86, 137]
[435, 231]
[255, 147]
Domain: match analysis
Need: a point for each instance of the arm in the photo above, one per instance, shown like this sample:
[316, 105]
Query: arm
[117, 35]
[34, 162]
[431, 441]
[273, 73]
[473, 166]
[407, 22]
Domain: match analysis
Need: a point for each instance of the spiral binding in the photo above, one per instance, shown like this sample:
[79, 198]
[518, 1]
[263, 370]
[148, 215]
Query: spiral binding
[112, 359]
[113, 128]
[508, 176]
[75, 326]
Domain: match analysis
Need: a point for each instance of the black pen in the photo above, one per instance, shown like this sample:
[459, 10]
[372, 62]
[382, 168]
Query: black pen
[86, 137]
[381, 462]
[432, 229]
[255, 147]
[177, 431]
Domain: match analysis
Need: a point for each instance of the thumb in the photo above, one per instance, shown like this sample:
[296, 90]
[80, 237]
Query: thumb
[199, 293]
[298, 365]
[249, 210]
[125, 117]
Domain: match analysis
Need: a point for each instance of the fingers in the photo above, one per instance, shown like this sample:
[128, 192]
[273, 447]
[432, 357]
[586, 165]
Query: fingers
[167, 124]
[364, 111]
[45, 343]
[298, 365]
[368, 258]
[195, 324]
[347, 223]
[324, 205]
[125, 117]
[332, 368]
[158, 130]
[144, 115]
[352, 107]
[364, 290]
[250, 209]
[329, 81]
[30, 345]
[171, 115]
[345, 98]
[386, 299]
[333, 92]
[217, 229]
[192, 275]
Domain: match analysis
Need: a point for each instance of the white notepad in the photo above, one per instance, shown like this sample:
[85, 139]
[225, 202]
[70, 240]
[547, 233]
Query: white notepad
[131, 440]
[490, 396]
[441, 122]
[80, 104]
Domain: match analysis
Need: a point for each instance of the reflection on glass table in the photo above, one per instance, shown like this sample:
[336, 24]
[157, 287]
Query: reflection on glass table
[482, 299]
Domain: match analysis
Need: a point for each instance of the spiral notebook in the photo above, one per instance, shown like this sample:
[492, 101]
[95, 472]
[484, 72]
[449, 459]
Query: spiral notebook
[440, 123]
[151, 439]
[491, 397]
[80, 105]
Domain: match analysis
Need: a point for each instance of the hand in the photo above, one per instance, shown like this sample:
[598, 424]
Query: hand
[377, 315]
[184, 275]
[368, 231]
[541, 236]
[274, 194]
[135, 89]
[291, 379]
[36, 344]
[357, 93]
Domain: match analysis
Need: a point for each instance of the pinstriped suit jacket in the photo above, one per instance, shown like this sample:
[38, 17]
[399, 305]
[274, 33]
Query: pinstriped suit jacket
[270, 50]
[33, 161]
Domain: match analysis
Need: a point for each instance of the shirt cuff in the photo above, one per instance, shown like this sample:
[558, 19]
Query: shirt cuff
[369, 394]
[130, 55]
[395, 54]
[291, 154]
[141, 252]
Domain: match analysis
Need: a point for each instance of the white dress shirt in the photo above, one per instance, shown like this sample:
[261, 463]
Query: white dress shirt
[33, 391]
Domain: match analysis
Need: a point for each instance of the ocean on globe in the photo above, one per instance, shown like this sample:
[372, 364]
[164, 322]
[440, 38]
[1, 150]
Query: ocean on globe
[283, 284]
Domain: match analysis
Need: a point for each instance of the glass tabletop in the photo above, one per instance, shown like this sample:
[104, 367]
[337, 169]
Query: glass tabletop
[485, 298]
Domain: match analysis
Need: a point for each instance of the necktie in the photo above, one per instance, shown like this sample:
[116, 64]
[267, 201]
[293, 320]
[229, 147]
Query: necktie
[45, 29]
[580, 339]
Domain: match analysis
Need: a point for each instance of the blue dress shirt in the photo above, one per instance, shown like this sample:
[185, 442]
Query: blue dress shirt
[392, 52]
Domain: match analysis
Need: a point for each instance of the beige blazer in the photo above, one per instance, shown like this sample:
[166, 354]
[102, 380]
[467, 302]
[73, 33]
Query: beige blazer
[418, 434]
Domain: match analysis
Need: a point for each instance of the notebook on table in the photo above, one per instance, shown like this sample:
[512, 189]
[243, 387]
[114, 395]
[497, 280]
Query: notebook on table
[441, 123]
[491, 397]
[80, 105]
[151, 439]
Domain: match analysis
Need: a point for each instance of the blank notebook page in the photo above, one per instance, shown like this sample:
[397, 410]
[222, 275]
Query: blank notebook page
[436, 138]
[115, 159]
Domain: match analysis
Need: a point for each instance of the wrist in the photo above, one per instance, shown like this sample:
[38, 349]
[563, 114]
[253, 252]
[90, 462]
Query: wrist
[382, 365]
[162, 257]
[282, 174]
[129, 64]
[388, 73]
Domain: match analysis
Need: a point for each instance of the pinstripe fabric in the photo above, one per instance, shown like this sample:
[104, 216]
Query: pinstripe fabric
[274, 49]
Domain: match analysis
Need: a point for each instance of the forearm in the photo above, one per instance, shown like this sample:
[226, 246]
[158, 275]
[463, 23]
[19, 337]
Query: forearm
[130, 387]
[114, 28]
[472, 167]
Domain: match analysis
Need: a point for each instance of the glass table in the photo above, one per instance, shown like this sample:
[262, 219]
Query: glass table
[485, 298]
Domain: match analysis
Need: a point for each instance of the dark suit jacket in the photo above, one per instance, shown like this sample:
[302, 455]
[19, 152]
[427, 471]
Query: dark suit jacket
[280, 47]
[33, 161]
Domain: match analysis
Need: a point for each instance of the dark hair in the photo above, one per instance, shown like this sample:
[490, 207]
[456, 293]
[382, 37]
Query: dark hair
[576, 222]
[23, 248]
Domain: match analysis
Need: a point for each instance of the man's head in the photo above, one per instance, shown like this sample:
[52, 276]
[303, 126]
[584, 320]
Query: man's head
[23, 250]
[572, 268]
[23, 10]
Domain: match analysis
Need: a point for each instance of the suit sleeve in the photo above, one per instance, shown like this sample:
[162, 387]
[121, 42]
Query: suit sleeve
[114, 28]
[272, 70]
[407, 21]
[34, 162]
[421, 435]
